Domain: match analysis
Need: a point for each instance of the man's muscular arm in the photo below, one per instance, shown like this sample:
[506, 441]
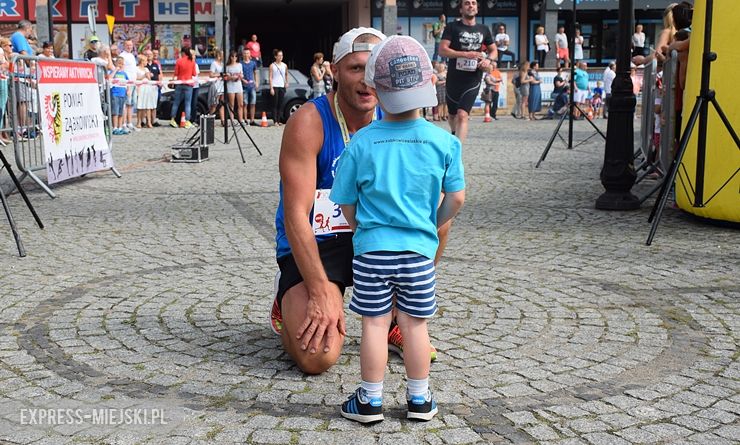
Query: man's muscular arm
[302, 141]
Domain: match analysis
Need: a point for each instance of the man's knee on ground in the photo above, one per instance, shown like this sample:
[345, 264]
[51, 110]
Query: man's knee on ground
[315, 363]
[294, 307]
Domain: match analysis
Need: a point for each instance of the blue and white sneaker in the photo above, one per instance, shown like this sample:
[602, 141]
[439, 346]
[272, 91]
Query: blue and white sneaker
[421, 407]
[360, 408]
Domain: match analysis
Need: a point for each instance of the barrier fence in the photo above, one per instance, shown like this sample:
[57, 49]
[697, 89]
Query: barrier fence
[648, 108]
[25, 109]
[657, 157]
[668, 123]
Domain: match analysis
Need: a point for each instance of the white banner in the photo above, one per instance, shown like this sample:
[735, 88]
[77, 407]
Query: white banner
[72, 120]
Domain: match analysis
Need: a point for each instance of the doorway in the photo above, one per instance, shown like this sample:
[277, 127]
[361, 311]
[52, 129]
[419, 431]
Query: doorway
[298, 29]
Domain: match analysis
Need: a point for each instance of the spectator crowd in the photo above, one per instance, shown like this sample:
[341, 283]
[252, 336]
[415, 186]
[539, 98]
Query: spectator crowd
[137, 80]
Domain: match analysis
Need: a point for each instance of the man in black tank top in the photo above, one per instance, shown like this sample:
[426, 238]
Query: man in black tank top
[470, 48]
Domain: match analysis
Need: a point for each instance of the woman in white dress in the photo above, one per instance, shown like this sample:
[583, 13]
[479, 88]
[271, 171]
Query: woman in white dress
[146, 94]
[578, 47]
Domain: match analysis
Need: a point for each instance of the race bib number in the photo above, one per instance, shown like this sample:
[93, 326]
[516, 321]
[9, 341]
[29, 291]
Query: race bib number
[327, 216]
[467, 64]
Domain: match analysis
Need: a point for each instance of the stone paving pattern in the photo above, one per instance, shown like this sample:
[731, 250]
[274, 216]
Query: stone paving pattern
[557, 325]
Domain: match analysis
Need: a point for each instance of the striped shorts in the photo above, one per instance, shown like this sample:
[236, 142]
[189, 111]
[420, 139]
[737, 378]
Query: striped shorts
[379, 276]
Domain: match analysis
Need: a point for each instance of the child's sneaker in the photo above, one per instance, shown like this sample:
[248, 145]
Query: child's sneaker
[360, 408]
[421, 407]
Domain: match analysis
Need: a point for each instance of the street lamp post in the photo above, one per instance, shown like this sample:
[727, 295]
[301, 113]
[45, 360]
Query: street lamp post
[618, 172]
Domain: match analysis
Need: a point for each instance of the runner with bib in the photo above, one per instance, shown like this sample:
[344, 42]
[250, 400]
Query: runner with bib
[463, 42]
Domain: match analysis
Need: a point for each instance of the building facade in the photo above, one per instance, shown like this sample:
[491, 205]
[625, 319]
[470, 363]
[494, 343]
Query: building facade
[301, 28]
[597, 20]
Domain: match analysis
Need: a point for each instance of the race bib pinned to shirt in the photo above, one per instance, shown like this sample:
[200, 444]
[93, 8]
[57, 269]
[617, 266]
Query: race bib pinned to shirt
[466, 64]
[327, 216]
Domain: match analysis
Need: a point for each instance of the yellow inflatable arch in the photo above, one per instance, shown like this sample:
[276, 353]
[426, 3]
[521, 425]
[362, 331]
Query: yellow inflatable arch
[722, 198]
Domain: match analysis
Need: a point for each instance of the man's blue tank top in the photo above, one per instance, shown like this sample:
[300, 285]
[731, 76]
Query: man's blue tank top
[326, 164]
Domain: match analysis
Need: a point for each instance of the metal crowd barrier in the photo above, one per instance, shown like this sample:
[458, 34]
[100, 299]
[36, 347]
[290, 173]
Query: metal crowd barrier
[23, 110]
[668, 125]
[662, 162]
[648, 108]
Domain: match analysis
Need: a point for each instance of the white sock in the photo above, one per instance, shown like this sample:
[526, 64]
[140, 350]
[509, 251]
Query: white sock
[373, 390]
[417, 387]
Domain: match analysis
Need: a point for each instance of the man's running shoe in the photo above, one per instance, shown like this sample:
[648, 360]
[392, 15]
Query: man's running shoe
[362, 409]
[395, 342]
[421, 407]
[276, 316]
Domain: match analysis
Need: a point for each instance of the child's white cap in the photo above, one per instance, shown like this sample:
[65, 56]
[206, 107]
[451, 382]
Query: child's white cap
[400, 71]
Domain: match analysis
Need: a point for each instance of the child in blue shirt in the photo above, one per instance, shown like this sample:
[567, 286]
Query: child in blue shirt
[597, 99]
[118, 97]
[388, 184]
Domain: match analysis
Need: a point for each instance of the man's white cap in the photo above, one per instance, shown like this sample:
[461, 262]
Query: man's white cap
[400, 71]
[346, 44]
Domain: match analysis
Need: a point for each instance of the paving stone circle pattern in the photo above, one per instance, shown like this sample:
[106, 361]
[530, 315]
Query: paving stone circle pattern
[557, 325]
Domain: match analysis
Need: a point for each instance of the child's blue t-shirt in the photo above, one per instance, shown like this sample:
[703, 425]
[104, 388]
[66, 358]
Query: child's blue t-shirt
[599, 91]
[119, 91]
[394, 172]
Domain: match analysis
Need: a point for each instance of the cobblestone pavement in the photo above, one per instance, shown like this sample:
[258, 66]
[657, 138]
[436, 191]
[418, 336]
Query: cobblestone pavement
[557, 325]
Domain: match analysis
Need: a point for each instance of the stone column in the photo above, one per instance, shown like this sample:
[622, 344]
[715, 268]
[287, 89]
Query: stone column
[549, 19]
[43, 21]
[221, 7]
[390, 17]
